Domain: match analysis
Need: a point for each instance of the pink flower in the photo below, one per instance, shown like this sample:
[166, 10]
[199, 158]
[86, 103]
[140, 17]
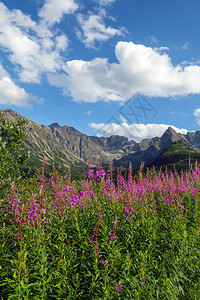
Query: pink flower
[103, 262]
[118, 287]
[90, 173]
[143, 282]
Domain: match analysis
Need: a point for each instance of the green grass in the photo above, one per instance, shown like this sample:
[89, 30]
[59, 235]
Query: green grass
[177, 155]
[100, 239]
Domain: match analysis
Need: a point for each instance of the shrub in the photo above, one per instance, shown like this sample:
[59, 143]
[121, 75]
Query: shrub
[12, 153]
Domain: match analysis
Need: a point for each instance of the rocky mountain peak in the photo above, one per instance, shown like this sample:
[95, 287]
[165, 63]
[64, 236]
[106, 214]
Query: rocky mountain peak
[170, 130]
[170, 135]
[69, 146]
[193, 138]
[114, 143]
[10, 114]
[54, 125]
[7, 110]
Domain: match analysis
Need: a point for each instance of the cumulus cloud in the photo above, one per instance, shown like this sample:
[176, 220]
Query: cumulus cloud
[53, 11]
[94, 29]
[197, 115]
[31, 46]
[12, 94]
[61, 42]
[82, 82]
[140, 70]
[136, 132]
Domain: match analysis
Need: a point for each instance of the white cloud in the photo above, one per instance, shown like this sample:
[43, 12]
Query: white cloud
[106, 2]
[160, 48]
[185, 46]
[88, 112]
[53, 10]
[136, 132]
[85, 81]
[197, 115]
[12, 94]
[59, 80]
[61, 42]
[123, 119]
[140, 69]
[152, 39]
[31, 46]
[94, 29]
[15, 16]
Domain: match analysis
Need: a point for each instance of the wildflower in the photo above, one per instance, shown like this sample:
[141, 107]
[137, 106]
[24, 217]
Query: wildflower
[118, 287]
[90, 173]
[91, 239]
[43, 210]
[103, 262]
[143, 282]
[100, 174]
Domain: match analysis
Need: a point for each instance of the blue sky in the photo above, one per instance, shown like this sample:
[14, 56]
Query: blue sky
[105, 67]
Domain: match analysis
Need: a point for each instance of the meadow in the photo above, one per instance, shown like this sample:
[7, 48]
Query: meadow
[103, 237]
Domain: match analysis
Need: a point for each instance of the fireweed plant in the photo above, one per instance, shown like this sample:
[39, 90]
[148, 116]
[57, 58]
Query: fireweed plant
[101, 238]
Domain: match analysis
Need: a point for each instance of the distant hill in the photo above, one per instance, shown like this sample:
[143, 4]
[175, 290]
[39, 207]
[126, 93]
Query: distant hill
[179, 155]
[65, 147]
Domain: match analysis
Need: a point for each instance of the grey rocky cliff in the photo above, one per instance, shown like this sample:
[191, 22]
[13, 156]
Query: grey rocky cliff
[64, 145]
[194, 139]
[147, 150]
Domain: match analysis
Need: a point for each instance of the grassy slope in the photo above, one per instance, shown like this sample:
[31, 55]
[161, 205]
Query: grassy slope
[179, 155]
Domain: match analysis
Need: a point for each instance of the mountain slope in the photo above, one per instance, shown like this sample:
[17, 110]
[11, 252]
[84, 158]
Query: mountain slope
[41, 142]
[180, 154]
[115, 144]
[194, 139]
[79, 144]
[147, 150]
[64, 146]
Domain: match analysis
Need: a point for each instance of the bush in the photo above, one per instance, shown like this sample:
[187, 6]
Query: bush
[12, 152]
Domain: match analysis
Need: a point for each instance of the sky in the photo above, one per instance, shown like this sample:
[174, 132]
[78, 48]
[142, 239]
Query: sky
[126, 67]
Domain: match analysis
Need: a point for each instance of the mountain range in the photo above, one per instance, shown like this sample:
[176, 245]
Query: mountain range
[64, 146]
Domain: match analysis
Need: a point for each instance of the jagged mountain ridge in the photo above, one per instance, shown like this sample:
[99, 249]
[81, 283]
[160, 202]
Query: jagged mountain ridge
[66, 146]
[194, 139]
[61, 145]
[148, 150]
[41, 142]
[114, 143]
[180, 154]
